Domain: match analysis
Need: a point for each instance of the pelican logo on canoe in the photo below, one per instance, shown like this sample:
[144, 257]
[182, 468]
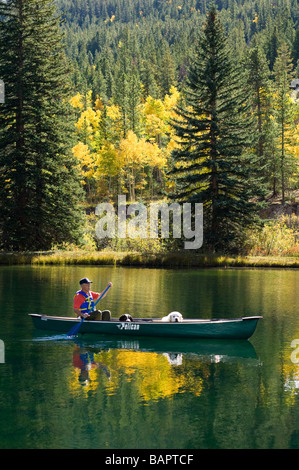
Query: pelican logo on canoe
[128, 326]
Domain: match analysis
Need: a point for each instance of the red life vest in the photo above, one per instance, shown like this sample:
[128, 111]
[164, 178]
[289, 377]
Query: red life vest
[88, 305]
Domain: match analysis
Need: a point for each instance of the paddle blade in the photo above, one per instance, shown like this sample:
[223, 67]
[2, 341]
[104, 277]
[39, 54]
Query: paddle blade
[75, 329]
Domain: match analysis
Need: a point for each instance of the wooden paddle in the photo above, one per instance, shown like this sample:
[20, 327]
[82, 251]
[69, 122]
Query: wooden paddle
[75, 329]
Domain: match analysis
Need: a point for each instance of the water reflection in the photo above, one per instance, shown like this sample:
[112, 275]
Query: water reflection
[85, 362]
[154, 369]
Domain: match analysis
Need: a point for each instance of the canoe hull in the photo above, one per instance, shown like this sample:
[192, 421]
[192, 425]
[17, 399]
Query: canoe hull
[239, 328]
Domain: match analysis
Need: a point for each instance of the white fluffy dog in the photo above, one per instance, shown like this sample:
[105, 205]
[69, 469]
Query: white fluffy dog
[173, 317]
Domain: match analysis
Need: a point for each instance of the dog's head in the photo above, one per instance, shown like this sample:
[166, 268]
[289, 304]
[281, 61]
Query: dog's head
[125, 317]
[175, 317]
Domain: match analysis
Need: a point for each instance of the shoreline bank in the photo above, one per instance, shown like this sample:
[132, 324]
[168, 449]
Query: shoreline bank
[153, 260]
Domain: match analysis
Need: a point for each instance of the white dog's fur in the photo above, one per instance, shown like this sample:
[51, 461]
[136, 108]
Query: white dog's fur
[173, 317]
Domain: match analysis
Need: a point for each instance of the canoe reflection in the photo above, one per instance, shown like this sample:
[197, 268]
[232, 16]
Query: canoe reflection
[206, 350]
[218, 350]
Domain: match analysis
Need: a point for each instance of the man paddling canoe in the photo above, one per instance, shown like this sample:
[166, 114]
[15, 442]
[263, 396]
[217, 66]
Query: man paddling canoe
[84, 302]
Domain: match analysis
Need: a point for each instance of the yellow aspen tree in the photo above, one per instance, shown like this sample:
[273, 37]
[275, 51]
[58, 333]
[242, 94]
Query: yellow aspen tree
[136, 155]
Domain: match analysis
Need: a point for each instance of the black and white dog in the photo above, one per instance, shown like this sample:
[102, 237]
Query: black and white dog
[125, 317]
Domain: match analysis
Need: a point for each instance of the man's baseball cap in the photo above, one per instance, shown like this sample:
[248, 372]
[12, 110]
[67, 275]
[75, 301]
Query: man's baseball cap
[85, 280]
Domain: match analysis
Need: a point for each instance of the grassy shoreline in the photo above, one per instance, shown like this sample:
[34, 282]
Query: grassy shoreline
[158, 260]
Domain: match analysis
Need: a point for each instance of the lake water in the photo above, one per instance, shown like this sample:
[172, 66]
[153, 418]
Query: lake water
[93, 393]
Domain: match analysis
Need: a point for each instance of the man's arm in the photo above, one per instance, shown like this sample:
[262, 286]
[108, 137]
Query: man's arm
[96, 295]
[77, 311]
[78, 300]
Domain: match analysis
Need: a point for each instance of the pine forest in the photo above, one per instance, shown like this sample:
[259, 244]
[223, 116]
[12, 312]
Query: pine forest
[160, 101]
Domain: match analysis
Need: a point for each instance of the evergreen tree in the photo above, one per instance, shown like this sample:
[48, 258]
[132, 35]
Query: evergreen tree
[259, 87]
[215, 131]
[134, 92]
[128, 88]
[99, 86]
[295, 49]
[283, 76]
[106, 68]
[39, 191]
[150, 86]
[167, 73]
[272, 46]
[236, 41]
[121, 99]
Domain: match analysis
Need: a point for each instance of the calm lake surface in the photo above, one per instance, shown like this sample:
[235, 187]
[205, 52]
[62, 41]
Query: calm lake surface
[90, 392]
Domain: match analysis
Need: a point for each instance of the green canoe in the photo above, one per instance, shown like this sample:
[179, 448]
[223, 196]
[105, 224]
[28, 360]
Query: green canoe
[235, 328]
